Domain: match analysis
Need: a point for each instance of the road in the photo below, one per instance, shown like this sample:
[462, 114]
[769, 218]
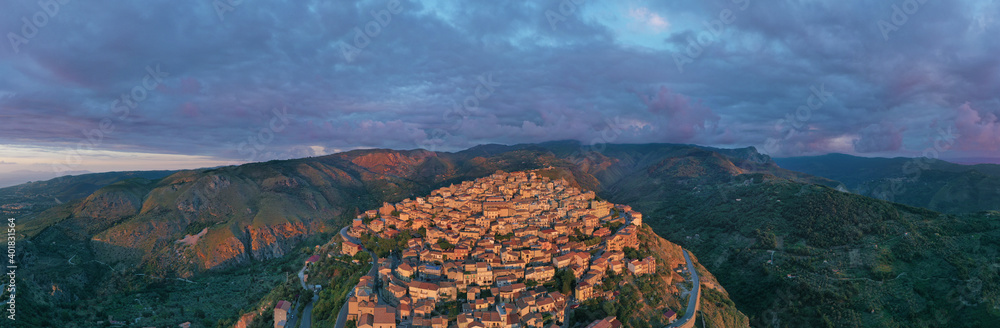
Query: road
[307, 313]
[342, 317]
[693, 301]
[567, 312]
[302, 278]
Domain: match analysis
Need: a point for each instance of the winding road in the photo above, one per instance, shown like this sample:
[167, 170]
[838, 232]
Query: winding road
[693, 301]
[342, 317]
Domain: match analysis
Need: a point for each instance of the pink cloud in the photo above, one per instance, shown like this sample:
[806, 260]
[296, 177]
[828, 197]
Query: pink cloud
[190, 85]
[685, 118]
[649, 19]
[190, 110]
[977, 130]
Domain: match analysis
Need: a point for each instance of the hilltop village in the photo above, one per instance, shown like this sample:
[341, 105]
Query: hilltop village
[492, 244]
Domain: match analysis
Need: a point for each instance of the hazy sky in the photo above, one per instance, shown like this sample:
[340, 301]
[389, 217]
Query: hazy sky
[122, 85]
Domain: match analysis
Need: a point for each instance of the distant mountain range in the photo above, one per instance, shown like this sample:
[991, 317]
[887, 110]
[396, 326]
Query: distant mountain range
[18, 177]
[924, 182]
[789, 247]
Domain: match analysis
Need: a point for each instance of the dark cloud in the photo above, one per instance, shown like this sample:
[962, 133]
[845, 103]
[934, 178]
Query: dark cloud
[585, 77]
[878, 138]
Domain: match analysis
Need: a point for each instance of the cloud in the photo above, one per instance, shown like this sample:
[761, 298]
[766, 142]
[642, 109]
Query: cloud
[227, 76]
[976, 129]
[878, 138]
[648, 20]
[684, 118]
[7, 163]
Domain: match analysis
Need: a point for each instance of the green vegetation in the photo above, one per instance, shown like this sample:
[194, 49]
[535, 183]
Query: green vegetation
[586, 240]
[451, 309]
[563, 281]
[837, 257]
[637, 254]
[613, 226]
[624, 308]
[929, 183]
[445, 245]
[339, 276]
[382, 246]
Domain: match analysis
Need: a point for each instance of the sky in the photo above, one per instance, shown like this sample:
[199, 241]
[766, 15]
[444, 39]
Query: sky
[111, 85]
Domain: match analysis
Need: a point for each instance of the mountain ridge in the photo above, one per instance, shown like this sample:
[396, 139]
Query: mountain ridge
[732, 210]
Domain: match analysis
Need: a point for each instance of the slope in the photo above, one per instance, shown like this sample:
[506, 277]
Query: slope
[923, 182]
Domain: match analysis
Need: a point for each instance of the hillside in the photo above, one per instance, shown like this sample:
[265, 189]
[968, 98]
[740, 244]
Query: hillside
[627, 271]
[929, 183]
[840, 259]
[250, 213]
[33, 197]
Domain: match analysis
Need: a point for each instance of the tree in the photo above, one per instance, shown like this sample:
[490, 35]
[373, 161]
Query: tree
[565, 281]
[362, 257]
[445, 245]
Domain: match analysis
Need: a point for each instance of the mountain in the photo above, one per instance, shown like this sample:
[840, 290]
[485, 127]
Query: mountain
[923, 182]
[790, 249]
[37, 196]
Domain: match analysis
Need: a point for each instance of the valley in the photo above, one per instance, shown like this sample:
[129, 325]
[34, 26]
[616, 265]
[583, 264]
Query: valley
[825, 257]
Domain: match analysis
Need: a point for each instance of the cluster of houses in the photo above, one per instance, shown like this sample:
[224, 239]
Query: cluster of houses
[490, 245]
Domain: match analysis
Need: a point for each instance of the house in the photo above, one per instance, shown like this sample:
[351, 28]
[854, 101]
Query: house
[533, 320]
[421, 322]
[439, 322]
[349, 248]
[626, 237]
[491, 319]
[421, 290]
[471, 293]
[609, 322]
[636, 217]
[405, 271]
[366, 321]
[312, 259]
[281, 313]
[645, 266]
[584, 291]
[384, 317]
[423, 308]
[670, 316]
[562, 261]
